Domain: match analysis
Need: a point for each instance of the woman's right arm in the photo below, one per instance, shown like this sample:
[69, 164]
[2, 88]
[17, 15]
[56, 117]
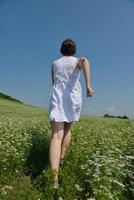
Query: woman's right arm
[84, 64]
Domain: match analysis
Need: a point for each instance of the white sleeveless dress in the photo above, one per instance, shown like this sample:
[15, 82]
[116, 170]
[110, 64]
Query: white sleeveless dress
[66, 94]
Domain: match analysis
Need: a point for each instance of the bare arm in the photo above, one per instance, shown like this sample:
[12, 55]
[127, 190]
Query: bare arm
[85, 65]
[52, 75]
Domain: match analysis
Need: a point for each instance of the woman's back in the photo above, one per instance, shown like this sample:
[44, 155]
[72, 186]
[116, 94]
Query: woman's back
[66, 71]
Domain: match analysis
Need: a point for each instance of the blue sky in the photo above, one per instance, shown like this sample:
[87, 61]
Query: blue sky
[30, 38]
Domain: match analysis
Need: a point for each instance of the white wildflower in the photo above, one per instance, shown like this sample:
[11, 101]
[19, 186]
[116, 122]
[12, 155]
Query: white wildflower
[130, 157]
[78, 187]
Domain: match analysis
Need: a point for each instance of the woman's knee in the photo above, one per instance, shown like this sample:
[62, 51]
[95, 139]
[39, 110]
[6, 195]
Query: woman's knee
[57, 136]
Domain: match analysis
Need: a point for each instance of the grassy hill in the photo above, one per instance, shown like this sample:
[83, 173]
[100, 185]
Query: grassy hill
[99, 163]
[5, 96]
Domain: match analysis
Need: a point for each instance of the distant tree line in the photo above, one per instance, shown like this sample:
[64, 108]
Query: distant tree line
[4, 96]
[122, 117]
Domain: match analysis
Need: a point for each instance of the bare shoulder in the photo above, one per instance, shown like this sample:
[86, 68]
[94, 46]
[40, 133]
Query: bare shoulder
[82, 61]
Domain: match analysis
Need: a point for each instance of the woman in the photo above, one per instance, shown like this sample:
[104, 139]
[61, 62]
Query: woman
[65, 100]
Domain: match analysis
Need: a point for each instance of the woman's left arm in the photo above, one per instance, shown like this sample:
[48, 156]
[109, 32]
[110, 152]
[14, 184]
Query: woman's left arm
[52, 75]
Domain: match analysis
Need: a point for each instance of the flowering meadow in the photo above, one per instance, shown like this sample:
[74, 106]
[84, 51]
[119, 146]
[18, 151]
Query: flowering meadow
[99, 164]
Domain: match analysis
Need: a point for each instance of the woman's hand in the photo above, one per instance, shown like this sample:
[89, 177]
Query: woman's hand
[89, 91]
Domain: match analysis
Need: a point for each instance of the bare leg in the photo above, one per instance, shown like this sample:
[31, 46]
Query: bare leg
[55, 146]
[66, 139]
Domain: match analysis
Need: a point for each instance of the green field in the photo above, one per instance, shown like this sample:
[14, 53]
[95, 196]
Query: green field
[99, 164]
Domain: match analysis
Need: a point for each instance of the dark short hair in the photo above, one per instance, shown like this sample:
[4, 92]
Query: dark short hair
[68, 47]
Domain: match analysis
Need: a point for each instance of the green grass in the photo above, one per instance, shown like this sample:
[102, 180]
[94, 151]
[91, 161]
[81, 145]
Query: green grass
[5, 96]
[99, 163]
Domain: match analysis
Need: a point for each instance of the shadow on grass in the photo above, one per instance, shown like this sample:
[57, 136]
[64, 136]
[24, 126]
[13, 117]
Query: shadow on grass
[38, 157]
